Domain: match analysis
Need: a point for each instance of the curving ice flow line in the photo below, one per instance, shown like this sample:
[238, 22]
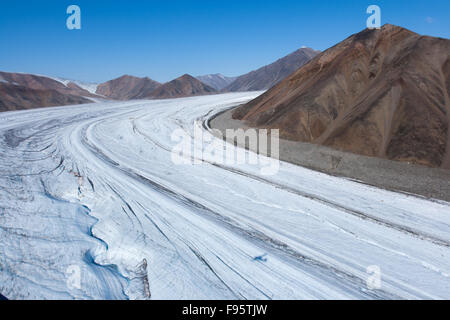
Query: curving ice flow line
[92, 207]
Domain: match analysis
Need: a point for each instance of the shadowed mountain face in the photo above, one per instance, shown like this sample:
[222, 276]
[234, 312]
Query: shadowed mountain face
[381, 93]
[127, 88]
[20, 91]
[16, 97]
[184, 86]
[37, 82]
[216, 81]
[270, 75]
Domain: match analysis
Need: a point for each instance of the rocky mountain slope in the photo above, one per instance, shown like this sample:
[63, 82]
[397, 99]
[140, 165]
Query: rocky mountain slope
[217, 81]
[16, 97]
[270, 75]
[127, 88]
[381, 93]
[184, 86]
[39, 82]
[24, 91]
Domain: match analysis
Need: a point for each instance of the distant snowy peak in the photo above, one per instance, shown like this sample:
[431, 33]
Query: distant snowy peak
[217, 81]
[90, 87]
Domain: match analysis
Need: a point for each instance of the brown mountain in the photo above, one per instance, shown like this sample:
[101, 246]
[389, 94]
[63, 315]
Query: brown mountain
[217, 81]
[381, 93]
[17, 97]
[184, 86]
[127, 88]
[25, 91]
[270, 75]
[37, 82]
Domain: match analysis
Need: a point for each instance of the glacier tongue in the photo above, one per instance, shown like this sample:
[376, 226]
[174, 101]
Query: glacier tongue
[92, 207]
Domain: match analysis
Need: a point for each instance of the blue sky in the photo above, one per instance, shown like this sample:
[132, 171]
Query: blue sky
[165, 39]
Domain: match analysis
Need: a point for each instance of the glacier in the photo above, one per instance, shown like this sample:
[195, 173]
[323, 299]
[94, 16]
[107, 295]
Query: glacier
[92, 188]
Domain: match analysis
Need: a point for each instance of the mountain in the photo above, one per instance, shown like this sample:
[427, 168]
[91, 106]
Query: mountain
[270, 75]
[39, 82]
[184, 86]
[17, 97]
[24, 91]
[127, 88]
[216, 81]
[90, 87]
[381, 93]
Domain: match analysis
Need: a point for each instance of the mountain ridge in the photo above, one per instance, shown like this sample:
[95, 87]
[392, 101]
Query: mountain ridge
[20, 91]
[184, 86]
[381, 93]
[268, 76]
[217, 81]
[127, 87]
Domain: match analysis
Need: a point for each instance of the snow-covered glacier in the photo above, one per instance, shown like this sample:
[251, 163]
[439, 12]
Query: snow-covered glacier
[92, 207]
